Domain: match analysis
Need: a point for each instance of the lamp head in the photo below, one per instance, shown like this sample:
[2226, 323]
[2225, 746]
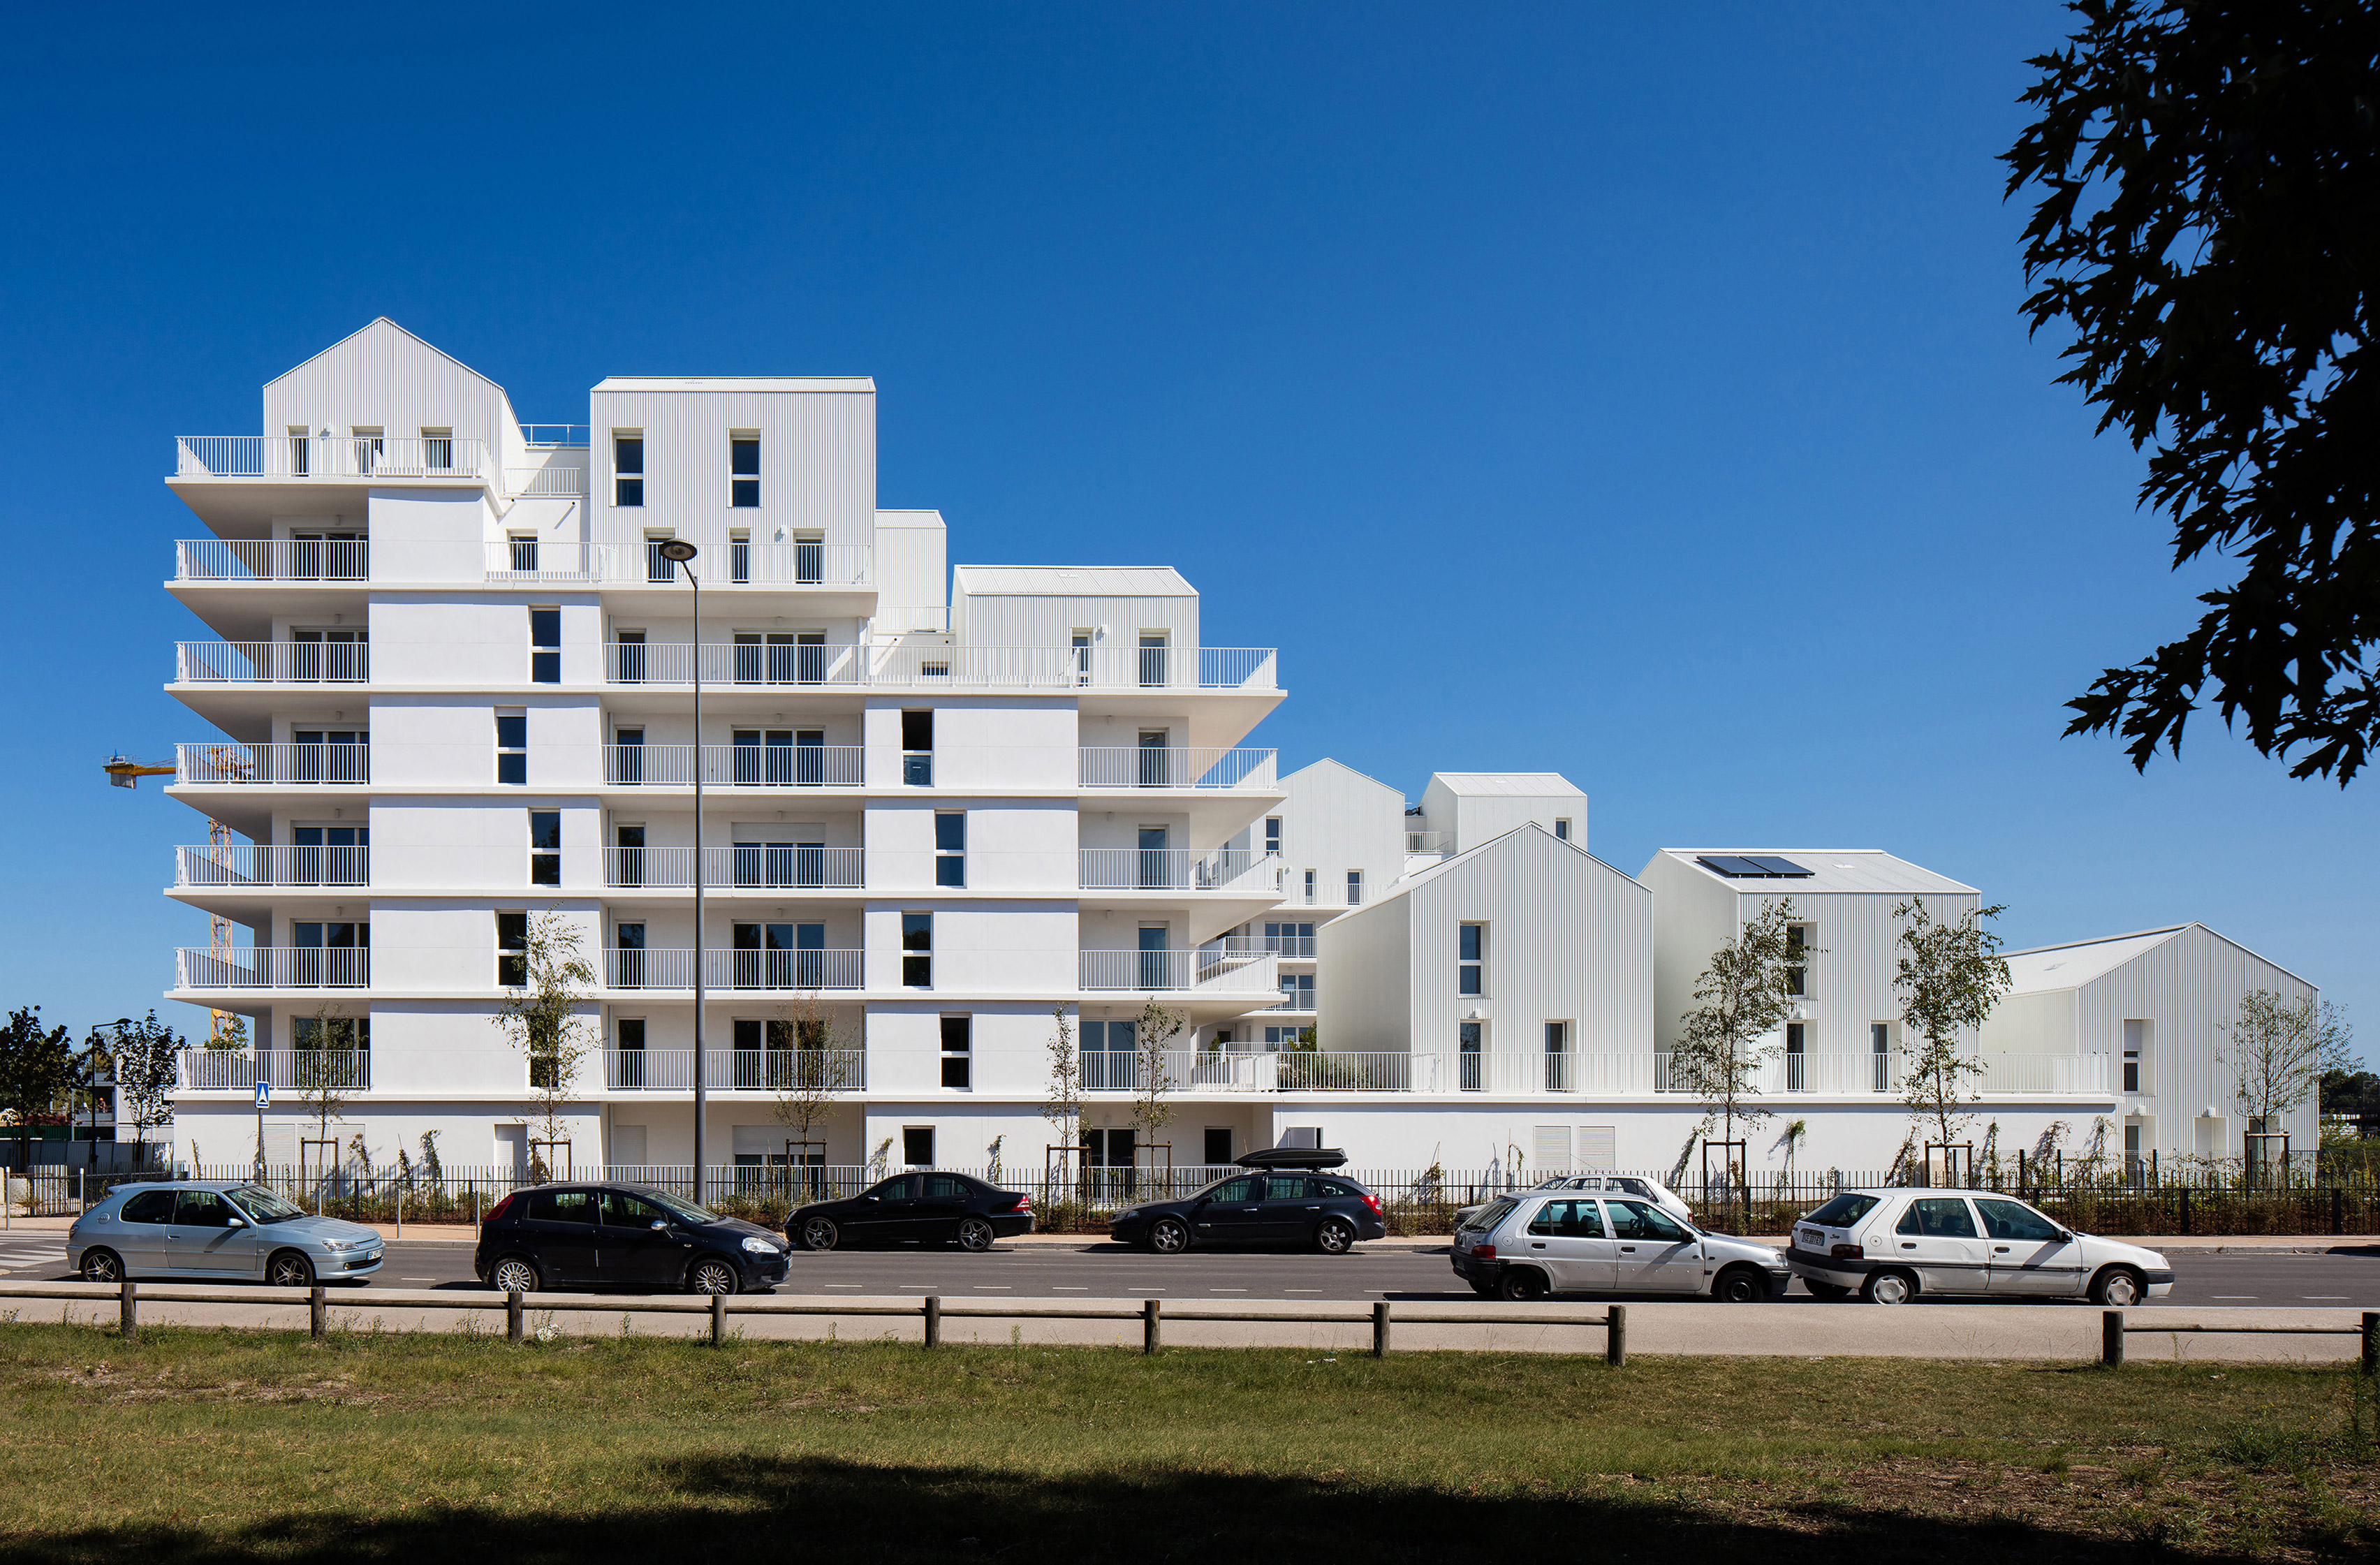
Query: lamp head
[678, 550]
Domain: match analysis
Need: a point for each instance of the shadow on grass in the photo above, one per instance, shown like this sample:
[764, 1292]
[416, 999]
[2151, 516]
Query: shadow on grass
[827, 1510]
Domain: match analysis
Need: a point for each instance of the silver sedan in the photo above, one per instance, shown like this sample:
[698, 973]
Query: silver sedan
[199, 1231]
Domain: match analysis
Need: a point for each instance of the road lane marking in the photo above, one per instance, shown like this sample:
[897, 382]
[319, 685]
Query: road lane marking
[1226, 1290]
[1301, 1290]
[2322, 1295]
[994, 1287]
[1072, 1287]
[2232, 1295]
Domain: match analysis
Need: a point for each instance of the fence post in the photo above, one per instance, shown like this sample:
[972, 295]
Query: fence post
[1615, 1336]
[512, 1316]
[2338, 1209]
[2185, 1208]
[933, 1320]
[1148, 1330]
[2371, 1343]
[2111, 1339]
[316, 1315]
[1379, 1329]
[127, 1319]
[718, 1319]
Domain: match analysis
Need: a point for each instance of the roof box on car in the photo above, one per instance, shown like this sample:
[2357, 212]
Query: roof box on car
[1293, 1157]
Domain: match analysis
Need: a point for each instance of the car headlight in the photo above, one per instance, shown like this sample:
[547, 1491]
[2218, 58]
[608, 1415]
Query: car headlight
[760, 1246]
[342, 1244]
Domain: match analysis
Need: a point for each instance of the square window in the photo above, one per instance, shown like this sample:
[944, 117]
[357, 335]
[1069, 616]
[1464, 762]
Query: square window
[918, 1145]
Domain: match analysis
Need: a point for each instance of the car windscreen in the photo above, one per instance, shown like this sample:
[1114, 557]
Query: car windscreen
[263, 1205]
[684, 1212]
[1494, 1212]
[1843, 1211]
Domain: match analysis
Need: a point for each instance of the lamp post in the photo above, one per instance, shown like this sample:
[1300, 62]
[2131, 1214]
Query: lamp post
[679, 552]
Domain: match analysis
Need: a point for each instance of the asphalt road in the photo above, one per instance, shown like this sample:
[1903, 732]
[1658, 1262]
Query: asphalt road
[2239, 1280]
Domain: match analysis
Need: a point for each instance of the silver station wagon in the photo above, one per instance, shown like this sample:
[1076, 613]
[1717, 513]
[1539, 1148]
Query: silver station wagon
[197, 1229]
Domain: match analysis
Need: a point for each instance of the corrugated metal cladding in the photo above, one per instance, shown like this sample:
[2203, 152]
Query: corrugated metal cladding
[2070, 967]
[1046, 620]
[818, 464]
[1335, 819]
[911, 560]
[1075, 581]
[1507, 784]
[1831, 869]
[1694, 914]
[383, 377]
[1363, 983]
[1851, 982]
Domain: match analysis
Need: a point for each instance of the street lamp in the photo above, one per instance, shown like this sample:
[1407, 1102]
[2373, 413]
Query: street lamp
[679, 552]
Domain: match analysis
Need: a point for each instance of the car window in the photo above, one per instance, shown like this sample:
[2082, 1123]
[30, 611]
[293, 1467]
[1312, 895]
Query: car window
[562, 1206]
[1631, 1220]
[1568, 1220]
[2008, 1219]
[1844, 1211]
[900, 1187]
[264, 1206]
[1937, 1217]
[1633, 1187]
[1492, 1214]
[622, 1210]
[148, 1206]
[202, 1209]
[1243, 1188]
[1285, 1188]
[947, 1187]
[1332, 1187]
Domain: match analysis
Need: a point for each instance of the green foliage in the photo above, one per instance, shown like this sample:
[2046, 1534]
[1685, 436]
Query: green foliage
[147, 1061]
[1153, 1033]
[36, 1070]
[1745, 995]
[544, 1017]
[1950, 977]
[2277, 1050]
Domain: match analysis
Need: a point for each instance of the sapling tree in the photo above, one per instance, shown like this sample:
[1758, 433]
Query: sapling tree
[36, 1069]
[818, 1068]
[1951, 976]
[1156, 1027]
[147, 1060]
[323, 1064]
[544, 1016]
[2276, 1050]
[1741, 1001]
[1063, 1107]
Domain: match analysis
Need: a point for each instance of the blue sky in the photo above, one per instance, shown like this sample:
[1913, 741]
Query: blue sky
[1636, 393]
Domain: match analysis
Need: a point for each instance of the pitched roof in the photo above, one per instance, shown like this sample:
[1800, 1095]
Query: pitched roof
[1073, 582]
[1507, 784]
[2050, 967]
[737, 383]
[1831, 869]
[1419, 877]
[414, 337]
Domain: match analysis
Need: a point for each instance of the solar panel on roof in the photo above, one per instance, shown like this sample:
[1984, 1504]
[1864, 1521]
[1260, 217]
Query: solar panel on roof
[1728, 865]
[1751, 866]
[1784, 868]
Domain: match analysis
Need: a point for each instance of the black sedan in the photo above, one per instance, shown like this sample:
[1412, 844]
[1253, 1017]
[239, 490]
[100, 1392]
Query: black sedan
[1326, 1211]
[621, 1236]
[915, 1208]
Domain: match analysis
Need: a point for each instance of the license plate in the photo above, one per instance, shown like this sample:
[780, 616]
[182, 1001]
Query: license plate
[1811, 1236]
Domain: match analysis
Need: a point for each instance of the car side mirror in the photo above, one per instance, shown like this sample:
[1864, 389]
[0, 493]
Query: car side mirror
[235, 1222]
[660, 1226]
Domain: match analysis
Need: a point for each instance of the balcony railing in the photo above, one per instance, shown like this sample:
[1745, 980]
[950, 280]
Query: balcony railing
[1200, 972]
[733, 969]
[260, 864]
[205, 1069]
[272, 967]
[1427, 842]
[1295, 1000]
[554, 481]
[742, 1069]
[740, 868]
[321, 458]
[1086, 668]
[271, 663]
[1175, 869]
[782, 662]
[735, 766]
[1221, 1071]
[270, 559]
[1153, 766]
[539, 561]
[272, 763]
[727, 565]
[1296, 947]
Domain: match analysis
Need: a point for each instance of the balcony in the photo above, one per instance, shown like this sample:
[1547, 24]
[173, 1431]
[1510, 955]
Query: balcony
[783, 662]
[272, 967]
[729, 565]
[271, 663]
[553, 482]
[262, 866]
[1100, 669]
[733, 969]
[1299, 948]
[1153, 766]
[205, 1069]
[1195, 972]
[747, 867]
[736, 1070]
[1429, 841]
[328, 458]
[1176, 870]
[735, 765]
[308, 559]
[1223, 1071]
[273, 764]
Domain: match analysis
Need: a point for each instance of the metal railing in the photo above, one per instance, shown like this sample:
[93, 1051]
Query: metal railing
[561, 561]
[736, 1070]
[1206, 971]
[1295, 947]
[782, 662]
[1092, 668]
[272, 763]
[553, 482]
[205, 1069]
[271, 559]
[272, 967]
[742, 867]
[1427, 842]
[1288, 1070]
[1299, 998]
[1174, 869]
[270, 863]
[730, 968]
[799, 564]
[554, 434]
[327, 457]
[1152, 766]
[735, 766]
[271, 663]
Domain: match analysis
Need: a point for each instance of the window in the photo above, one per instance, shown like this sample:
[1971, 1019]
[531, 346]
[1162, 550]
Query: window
[1568, 1220]
[743, 467]
[1081, 645]
[369, 447]
[957, 1035]
[917, 749]
[512, 950]
[1879, 1041]
[1470, 1044]
[1217, 1146]
[1797, 1040]
[950, 847]
[917, 1147]
[1273, 835]
[1937, 1217]
[1471, 959]
[659, 567]
[1630, 1221]
[810, 558]
[1562, 827]
[301, 451]
[512, 748]
[1354, 888]
[546, 848]
[523, 546]
[1152, 657]
[335, 1033]
[1309, 887]
[628, 968]
[545, 646]
[2007, 1219]
[1800, 940]
[438, 450]
[918, 951]
[1115, 1149]
[628, 468]
[739, 556]
[150, 1206]
[2136, 1050]
[1296, 992]
[1557, 1056]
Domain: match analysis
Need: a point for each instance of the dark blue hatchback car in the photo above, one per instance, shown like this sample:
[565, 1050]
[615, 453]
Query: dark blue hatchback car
[1277, 1205]
[621, 1236]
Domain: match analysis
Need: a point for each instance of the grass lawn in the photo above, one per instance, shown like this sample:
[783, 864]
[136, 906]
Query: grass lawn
[205, 1445]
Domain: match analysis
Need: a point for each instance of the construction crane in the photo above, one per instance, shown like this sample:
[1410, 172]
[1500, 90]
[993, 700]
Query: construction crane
[123, 771]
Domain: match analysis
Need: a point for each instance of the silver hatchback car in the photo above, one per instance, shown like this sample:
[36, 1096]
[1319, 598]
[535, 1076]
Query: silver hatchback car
[1526, 1246]
[197, 1229]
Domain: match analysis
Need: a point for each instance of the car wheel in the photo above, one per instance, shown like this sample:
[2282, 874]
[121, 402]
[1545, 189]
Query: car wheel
[1334, 1237]
[1168, 1237]
[710, 1275]
[287, 1269]
[1826, 1290]
[2118, 1287]
[514, 1275]
[820, 1233]
[975, 1235]
[1889, 1288]
[1523, 1283]
[101, 1265]
[1740, 1285]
